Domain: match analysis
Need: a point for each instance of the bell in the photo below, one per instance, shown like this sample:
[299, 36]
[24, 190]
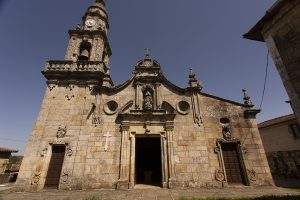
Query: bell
[84, 55]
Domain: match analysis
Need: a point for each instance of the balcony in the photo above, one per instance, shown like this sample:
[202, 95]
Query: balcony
[82, 70]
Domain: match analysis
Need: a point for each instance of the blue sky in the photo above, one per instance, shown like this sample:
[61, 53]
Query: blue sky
[203, 34]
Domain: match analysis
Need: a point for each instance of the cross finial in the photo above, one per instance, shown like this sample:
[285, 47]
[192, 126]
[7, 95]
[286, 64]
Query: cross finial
[147, 53]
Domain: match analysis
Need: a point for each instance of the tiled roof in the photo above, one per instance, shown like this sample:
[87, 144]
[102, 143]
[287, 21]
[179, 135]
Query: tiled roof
[277, 120]
[7, 150]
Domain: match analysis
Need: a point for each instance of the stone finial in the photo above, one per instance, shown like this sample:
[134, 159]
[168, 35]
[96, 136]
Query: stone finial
[193, 82]
[147, 53]
[247, 98]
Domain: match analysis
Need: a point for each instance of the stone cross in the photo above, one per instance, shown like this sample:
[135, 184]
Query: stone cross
[107, 136]
[147, 52]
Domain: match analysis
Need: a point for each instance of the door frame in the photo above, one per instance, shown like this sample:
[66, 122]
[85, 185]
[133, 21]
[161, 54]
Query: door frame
[164, 158]
[50, 157]
[223, 176]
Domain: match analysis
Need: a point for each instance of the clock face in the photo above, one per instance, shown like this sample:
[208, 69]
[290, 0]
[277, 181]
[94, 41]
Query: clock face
[90, 22]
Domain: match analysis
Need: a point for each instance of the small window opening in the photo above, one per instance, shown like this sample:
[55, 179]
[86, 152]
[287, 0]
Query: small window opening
[84, 51]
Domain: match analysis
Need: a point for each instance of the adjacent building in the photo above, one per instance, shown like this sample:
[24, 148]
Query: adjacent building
[91, 133]
[5, 155]
[280, 29]
[281, 140]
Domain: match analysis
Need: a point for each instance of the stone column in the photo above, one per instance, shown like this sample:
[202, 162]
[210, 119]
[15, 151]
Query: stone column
[132, 160]
[169, 128]
[123, 182]
[164, 156]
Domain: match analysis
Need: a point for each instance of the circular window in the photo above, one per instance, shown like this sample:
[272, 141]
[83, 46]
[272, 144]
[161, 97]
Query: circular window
[224, 120]
[183, 107]
[111, 107]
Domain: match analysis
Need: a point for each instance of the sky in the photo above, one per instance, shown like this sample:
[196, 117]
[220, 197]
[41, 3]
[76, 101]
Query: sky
[203, 34]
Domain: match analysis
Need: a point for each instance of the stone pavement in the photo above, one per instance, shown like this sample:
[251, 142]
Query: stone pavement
[145, 194]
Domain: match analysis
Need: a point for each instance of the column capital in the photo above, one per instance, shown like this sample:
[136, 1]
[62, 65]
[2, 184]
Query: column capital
[169, 126]
[125, 126]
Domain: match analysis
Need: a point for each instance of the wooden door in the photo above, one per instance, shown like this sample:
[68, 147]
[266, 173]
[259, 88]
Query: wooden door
[232, 164]
[55, 166]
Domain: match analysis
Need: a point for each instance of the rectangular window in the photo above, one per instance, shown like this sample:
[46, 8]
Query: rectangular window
[295, 130]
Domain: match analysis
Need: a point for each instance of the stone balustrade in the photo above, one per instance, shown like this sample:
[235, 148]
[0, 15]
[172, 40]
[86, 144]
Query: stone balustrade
[80, 66]
[70, 70]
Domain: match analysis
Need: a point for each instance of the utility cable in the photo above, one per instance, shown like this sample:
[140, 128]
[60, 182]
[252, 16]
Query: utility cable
[264, 89]
[265, 81]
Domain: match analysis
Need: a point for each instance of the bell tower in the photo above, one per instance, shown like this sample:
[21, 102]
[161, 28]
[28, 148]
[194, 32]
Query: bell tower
[88, 52]
[88, 41]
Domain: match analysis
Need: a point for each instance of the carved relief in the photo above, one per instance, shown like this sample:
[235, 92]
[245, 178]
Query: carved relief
[51, 86]
[252, 175]
[61, 132]
[65, 176]
[69, 97]
[43, 152]
[36, 178]
[226, 131]
[96, 120]
[219, 175]
[148, 101]
[69, 151]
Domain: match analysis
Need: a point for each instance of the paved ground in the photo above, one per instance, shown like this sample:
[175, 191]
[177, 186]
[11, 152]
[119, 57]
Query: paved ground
[145, 194]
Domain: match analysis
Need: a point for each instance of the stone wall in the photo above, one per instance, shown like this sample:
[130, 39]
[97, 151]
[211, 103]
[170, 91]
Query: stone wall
[282, 35]
[3, 163]
[73, 116]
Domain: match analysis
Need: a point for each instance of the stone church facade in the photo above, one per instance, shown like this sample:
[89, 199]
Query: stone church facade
[93, 134]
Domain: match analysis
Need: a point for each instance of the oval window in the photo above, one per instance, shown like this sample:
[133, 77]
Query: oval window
[183, 107]
[111, 107]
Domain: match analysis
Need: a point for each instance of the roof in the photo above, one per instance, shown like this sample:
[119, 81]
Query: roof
[7, 150]
[278, 120]
[255, 32]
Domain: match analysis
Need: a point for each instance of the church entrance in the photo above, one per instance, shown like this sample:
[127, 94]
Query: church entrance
[233, 164]
[55, 166]
[148, 164]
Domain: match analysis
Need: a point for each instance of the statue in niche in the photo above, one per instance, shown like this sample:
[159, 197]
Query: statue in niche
[148, 100]
[226, 132]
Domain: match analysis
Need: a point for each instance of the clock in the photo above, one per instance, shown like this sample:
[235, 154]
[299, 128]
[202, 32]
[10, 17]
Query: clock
[90, 23]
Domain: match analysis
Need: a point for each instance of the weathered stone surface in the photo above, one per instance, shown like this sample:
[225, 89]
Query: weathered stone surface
[99, 126]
